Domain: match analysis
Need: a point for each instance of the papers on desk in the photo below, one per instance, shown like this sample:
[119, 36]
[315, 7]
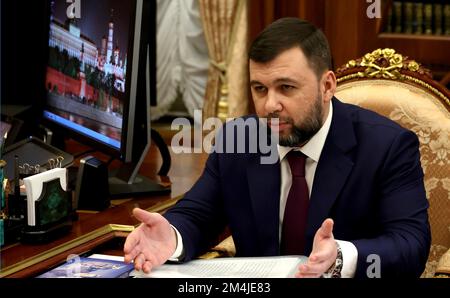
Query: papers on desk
[34, 185]
[256, 267]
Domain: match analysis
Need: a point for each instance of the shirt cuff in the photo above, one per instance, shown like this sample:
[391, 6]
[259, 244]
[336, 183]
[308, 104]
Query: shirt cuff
[179, 251]
[349, 258]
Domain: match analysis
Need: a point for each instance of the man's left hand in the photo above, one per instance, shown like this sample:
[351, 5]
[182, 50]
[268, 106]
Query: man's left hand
[323, 254]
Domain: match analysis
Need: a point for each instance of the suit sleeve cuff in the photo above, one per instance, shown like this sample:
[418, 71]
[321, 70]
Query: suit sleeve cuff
[179, 251]
[349, 258]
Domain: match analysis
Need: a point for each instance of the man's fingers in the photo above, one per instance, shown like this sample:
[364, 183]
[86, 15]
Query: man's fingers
[139, 262]
[151, 257]
[321, 256]
[326, 230]
[132, 254]
[147, 267]
[130, 243]
[127, 258]
[146, 217]
[305, 275]
[317, 268]
[145, 262]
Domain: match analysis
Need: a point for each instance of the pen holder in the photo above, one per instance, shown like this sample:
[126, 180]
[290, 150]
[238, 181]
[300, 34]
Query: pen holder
[52, 214]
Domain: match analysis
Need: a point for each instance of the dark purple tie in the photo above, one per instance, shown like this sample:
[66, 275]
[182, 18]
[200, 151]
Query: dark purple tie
[296, 211]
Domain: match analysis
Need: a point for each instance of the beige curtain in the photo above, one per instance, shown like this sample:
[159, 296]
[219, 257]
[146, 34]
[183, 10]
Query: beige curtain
[225, 24]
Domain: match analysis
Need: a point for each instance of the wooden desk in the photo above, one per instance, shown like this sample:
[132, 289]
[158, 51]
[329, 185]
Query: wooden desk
[94, 229]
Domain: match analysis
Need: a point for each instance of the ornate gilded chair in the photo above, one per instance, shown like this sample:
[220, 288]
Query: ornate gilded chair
[399, 88]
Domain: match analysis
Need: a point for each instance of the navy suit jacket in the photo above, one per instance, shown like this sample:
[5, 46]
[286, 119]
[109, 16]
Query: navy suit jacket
[369, 180]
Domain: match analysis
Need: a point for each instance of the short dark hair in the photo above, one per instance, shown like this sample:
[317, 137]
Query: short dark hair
[287, 33]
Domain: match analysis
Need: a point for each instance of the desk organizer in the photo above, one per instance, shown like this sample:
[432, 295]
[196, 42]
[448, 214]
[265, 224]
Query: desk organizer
[53, 214]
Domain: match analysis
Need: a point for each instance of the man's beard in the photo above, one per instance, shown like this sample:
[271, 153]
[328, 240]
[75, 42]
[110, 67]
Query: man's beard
[302, 132]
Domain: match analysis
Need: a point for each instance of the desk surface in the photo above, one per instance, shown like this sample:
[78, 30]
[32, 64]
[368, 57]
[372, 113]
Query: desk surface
[22, 260]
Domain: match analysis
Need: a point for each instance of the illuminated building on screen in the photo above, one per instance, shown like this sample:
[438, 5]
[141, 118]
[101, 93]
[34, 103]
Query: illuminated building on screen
[106, 58]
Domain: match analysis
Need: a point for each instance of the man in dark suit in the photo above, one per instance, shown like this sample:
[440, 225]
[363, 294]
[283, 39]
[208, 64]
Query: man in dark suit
[346, 189]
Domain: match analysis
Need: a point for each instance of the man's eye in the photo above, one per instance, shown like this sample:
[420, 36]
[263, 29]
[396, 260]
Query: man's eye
[259, 88]
[287, 87]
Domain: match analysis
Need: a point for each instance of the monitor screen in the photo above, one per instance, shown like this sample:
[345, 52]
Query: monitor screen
[99, 81]
[88, 73]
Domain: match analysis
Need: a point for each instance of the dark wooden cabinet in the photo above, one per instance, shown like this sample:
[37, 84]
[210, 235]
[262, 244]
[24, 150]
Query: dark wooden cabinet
[351, 33]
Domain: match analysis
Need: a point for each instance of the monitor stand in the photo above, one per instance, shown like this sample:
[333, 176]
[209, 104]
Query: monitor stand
[125, 182]
[141, 186]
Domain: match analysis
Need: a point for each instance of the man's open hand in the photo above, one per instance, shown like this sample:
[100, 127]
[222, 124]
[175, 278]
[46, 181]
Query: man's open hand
[150, 244]
[323, 254]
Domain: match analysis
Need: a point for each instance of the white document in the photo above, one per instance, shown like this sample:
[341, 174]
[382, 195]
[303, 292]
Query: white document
[253, 267]
[33, 186]
[107, 257]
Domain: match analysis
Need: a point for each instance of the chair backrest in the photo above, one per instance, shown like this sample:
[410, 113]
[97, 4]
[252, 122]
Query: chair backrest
[400, 89]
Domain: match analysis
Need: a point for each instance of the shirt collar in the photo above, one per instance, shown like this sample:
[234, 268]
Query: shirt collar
[314, 147]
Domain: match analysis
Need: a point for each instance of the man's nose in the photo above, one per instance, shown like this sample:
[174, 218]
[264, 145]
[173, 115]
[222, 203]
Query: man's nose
[272, 103]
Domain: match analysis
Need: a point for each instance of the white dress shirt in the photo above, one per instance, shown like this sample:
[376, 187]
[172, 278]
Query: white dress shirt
[312, 150]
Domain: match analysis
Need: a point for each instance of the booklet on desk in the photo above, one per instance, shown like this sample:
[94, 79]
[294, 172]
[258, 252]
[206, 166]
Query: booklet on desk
[90, 267]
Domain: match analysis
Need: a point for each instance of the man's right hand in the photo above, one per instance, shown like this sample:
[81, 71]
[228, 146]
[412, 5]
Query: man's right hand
[152, 243]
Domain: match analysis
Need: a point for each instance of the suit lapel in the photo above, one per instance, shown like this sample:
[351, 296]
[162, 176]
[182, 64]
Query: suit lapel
[333, 169]
[264, 186]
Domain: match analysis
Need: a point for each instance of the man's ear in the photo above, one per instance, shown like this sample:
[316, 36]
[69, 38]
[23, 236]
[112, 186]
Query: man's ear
[328, 85]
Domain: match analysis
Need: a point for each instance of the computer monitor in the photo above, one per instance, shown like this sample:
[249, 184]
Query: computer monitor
[98, 82]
